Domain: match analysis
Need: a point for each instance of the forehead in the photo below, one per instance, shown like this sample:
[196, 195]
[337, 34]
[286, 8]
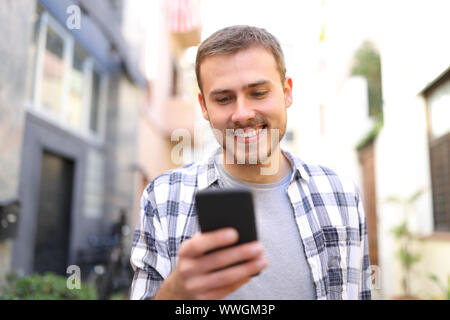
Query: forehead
[232, 71]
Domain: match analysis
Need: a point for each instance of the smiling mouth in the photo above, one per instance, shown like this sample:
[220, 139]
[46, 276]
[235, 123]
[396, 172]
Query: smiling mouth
[249, 134]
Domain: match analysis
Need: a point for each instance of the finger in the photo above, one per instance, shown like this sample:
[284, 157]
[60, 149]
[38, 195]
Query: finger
[204, 242]
[226, 277]
[221, 293]
[229, 256]
[189, 267]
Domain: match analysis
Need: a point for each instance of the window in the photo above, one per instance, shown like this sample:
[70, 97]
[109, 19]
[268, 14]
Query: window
[77, 87]
[52, 75]
[32, 52]
[64, 83]
[95, 102]
[438, 102]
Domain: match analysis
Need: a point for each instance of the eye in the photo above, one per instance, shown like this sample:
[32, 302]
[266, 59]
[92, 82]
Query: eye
[259, 94]
[223, 100]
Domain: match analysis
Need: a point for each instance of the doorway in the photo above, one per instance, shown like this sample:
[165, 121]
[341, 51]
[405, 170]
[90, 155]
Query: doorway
[52, 240]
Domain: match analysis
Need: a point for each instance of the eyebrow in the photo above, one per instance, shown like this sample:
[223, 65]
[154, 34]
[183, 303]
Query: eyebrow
[247, 86]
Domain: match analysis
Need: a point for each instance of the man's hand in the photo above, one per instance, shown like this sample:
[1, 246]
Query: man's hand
[203, 275]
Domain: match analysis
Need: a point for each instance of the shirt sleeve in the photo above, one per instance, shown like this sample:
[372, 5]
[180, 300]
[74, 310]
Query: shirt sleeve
[364, 287]
[149, 253]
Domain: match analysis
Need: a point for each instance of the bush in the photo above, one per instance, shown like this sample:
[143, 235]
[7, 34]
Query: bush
[43, 287]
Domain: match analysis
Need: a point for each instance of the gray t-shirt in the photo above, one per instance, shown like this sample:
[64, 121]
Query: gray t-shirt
[287, 275]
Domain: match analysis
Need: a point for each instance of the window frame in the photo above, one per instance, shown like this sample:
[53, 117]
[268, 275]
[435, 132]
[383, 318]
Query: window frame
[101, 121]
[433, 141]
[60, 119]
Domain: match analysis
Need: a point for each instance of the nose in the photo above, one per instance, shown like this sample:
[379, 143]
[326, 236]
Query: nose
[243, 112]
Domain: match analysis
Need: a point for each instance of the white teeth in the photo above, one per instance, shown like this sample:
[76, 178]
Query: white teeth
[248, 134]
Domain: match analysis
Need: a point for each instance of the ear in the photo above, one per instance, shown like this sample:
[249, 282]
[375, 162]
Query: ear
[203, 106]
[288, 91]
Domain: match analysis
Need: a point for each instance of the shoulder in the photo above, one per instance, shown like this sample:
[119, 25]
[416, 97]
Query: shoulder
[173, 185]
[180, 175]
[323, 179]
[185, 175]
[328, 179]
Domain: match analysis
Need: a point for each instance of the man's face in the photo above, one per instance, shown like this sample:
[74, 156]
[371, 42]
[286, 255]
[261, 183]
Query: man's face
[245, 101]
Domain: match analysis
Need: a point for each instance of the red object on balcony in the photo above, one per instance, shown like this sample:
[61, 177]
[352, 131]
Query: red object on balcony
[184, 15]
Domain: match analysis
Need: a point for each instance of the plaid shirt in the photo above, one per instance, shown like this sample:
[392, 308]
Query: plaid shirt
[328, 212]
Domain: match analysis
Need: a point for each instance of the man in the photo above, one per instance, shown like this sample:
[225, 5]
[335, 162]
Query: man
[312, 236]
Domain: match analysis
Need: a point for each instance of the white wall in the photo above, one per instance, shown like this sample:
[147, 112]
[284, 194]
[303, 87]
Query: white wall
[414, 50]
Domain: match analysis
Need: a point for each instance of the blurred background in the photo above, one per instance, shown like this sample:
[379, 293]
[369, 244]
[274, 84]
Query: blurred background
[91, 93]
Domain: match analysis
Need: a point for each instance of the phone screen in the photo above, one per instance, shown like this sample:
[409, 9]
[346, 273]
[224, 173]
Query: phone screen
[221, 208]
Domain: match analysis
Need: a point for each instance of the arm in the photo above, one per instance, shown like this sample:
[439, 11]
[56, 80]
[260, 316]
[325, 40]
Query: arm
[365, 284]
[149, 254]
[202, 275]
[198, 274]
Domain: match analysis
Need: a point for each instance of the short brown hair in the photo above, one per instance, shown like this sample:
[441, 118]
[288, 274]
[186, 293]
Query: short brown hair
[232, 39]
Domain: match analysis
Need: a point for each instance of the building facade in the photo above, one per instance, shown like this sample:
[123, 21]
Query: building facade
[69, 103]
[171, 111]
[411, 151]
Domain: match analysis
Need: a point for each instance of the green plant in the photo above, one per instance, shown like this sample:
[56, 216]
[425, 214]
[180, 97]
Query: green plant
[370, 136]
[405, 239]
[119, 296]
[405, 255]
[43, 287]
[445, 289]
[367, 63]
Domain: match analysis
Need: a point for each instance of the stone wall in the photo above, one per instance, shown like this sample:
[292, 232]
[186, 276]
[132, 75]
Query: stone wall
[15, 27]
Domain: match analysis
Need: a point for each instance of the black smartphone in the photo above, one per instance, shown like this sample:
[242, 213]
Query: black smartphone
[221, 208]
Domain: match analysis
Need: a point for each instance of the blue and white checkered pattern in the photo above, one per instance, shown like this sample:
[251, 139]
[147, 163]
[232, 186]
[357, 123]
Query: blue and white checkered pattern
[328, 211]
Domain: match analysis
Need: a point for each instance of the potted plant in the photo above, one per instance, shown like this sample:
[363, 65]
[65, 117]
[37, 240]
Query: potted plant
[405, 238]
[445, 289]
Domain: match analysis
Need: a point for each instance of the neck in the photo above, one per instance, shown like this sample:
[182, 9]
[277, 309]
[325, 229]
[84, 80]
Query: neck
[276, 168]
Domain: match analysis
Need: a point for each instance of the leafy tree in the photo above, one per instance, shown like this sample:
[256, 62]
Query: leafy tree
[367, 64]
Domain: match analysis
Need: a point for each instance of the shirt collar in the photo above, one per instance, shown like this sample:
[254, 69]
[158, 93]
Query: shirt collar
[208, 172]
[299, 167]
